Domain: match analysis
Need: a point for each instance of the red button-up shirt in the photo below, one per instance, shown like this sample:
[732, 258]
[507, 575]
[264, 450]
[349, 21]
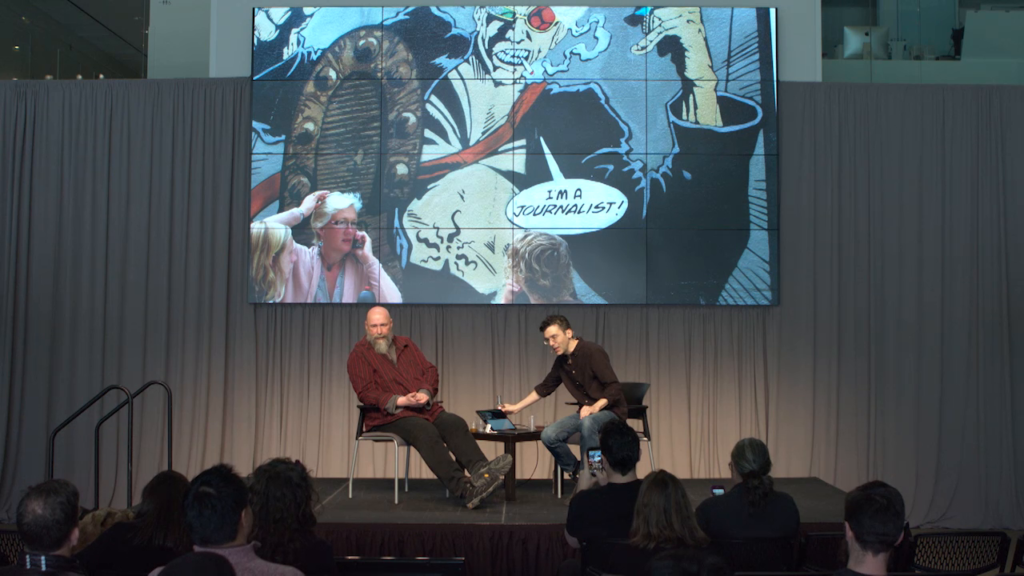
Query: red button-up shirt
[376, 379]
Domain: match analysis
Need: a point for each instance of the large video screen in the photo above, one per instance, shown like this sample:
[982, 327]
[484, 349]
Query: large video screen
[514, 154]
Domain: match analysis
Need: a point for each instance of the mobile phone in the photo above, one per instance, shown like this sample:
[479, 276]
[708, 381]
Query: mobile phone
[594, 460]
[356, 244]
[717, 490]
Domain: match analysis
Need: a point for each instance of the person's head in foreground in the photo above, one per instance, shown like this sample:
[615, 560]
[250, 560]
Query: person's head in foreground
[378, 329]
[161, 514]
[281, 495]
[663, 517]
[199, 564]
[217, 508]
[751, 465]
[620, 451]
[272, 257]
[540, 264]
[47, 518]
[687, 562]
[873, 519]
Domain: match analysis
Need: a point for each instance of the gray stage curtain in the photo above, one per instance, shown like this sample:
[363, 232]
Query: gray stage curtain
[894, 354]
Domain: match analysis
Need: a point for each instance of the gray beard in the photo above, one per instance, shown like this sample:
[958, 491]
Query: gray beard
[381, 345]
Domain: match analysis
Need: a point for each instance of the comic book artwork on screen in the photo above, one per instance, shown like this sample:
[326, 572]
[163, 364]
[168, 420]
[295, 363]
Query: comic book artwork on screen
[514, 154]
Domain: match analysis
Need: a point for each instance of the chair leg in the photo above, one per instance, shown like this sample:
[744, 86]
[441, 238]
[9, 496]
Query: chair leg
[396, 472]
[650, 452]
[408, 452]
[352, 469]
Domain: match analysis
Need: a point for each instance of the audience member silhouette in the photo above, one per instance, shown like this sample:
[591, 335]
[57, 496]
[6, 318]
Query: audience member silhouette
[873, 520]
[153, 538]
[48, 524]
[752, 509]
[603, 508]
[282, 498]
[219, 520]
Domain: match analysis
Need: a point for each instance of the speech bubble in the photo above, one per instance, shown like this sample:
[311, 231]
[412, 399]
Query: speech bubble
[566, 206]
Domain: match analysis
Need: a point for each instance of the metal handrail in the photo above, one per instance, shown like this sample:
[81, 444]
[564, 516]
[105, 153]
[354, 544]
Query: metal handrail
[53, 435]
[115, 410]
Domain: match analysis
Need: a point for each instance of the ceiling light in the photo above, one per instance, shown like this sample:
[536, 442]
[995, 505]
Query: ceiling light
[16, 48]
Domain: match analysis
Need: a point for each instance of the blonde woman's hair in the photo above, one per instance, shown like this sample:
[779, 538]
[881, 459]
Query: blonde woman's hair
[332, 203]
[268, 240]
[544, 264]
[663, 515]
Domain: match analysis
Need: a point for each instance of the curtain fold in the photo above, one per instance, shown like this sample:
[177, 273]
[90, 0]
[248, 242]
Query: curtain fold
[895, 353]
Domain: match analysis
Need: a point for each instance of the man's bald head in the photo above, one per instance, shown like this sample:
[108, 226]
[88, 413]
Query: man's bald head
[378, 314]
[378, 329]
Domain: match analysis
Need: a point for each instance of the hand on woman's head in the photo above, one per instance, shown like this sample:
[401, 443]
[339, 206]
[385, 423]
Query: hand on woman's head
[309, 203]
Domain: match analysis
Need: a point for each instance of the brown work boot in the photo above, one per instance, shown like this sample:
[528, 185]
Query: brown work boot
[497, 467]
[477, 492]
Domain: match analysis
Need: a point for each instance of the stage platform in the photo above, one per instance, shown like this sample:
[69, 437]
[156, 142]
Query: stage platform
[497, 538]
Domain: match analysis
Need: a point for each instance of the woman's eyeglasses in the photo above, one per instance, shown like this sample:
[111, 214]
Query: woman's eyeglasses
[345, 224]
[539, 18]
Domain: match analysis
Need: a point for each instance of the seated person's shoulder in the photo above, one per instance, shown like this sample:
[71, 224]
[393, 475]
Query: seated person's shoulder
[784, 501]
[847, 572]
[279, 569]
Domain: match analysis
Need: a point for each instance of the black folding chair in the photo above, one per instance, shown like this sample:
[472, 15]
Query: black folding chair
[1018, 556]
[10, 546]
[823, 552]
[759, 554]
[973, 552]
[612, 556]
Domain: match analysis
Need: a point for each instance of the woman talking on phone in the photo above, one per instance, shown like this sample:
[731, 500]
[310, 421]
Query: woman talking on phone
[341, 264]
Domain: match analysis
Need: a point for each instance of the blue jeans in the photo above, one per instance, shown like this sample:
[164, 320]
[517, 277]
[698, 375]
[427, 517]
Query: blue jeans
[554, 437]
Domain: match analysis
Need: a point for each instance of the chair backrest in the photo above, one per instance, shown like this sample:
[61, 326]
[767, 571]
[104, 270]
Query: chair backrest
[366, 566]
[760, 554]
[824, 552]
[634, 392]
[1018, 556]
[10, 546]
[612, 556]
[784, 574]
[963, 552]
[363, 409]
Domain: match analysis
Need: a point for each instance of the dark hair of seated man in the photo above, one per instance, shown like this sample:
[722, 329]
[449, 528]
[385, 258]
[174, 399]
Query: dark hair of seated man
[874, 516]
[48, 516]
[215, 502]
[620, 446]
